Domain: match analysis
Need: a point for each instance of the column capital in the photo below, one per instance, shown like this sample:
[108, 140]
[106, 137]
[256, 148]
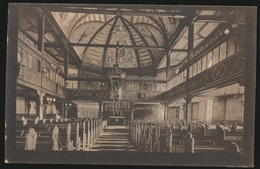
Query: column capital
[165, 103]
[40, 93]
[188, 98]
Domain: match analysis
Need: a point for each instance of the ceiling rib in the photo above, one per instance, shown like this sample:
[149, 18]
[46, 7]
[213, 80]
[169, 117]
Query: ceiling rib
[108, 39]
[141, 36]
[143, 23]
[74, 25]
[163, 29]
[173, 38]
[92, 38]
[114, 46]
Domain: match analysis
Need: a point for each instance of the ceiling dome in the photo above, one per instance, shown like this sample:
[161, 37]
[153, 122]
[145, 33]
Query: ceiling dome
[95, 38]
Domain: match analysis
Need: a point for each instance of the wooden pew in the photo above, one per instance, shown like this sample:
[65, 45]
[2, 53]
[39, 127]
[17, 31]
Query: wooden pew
[170, 137]
[31, 139]
[44, 134]
[87, 133]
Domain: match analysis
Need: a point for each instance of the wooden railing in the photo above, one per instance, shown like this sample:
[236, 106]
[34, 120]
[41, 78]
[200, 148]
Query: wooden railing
[228, 70]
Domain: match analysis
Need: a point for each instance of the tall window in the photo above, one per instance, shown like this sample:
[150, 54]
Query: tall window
[193, 69]
[204, 63]
[209, 59]
[231, 46]
[190, 71]
[215, 55]
[209, 109]
[185, 74]
[223, 51]
[199, 66]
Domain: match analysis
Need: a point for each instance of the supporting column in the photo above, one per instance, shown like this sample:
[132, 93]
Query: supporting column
[41, 26]
[190, 56]
[166, 106]
[41, 106]
[168, 64]
[132, 111]
[188, 112]
[100, 110]
[62, 110]
[66, 62]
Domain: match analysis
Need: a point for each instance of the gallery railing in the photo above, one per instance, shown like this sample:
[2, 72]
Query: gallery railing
[231, 69]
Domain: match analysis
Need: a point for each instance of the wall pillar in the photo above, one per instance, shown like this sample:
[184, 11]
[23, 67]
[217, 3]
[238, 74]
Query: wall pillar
[132, 111]
[100, 110]
[168, 64]
[41, 105]
[66, 62]
[166, 107]
[188, 110]
[62, 110]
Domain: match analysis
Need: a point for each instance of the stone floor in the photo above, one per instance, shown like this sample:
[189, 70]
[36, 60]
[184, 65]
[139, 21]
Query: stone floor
[113, 138]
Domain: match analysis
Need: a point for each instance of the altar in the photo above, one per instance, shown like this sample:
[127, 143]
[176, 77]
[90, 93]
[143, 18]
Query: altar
[116, 120]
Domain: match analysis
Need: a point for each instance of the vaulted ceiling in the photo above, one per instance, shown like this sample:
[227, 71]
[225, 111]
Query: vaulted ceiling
[140, 39]
[141, 36]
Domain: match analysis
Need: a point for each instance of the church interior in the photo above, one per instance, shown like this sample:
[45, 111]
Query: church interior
[153, 79]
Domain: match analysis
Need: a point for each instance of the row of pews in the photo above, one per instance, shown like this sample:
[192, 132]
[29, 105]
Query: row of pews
[57, 134]
[174, 137]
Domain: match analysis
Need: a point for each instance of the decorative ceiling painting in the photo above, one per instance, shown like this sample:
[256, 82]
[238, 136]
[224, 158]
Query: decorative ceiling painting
[143, 36]
[140, 38]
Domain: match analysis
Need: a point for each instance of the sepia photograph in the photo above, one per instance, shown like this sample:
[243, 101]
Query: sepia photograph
[130, 84]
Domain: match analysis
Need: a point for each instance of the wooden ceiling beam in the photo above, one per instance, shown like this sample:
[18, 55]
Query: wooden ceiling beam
[48, 52]
[114, 11]
[135, 6]
[53, 45]
[114, 46]
[174, 37]
[108, 40]
[215, 18]
[58, 32]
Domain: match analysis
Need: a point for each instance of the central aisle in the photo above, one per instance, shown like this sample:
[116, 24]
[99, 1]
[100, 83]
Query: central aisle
[113, 138]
